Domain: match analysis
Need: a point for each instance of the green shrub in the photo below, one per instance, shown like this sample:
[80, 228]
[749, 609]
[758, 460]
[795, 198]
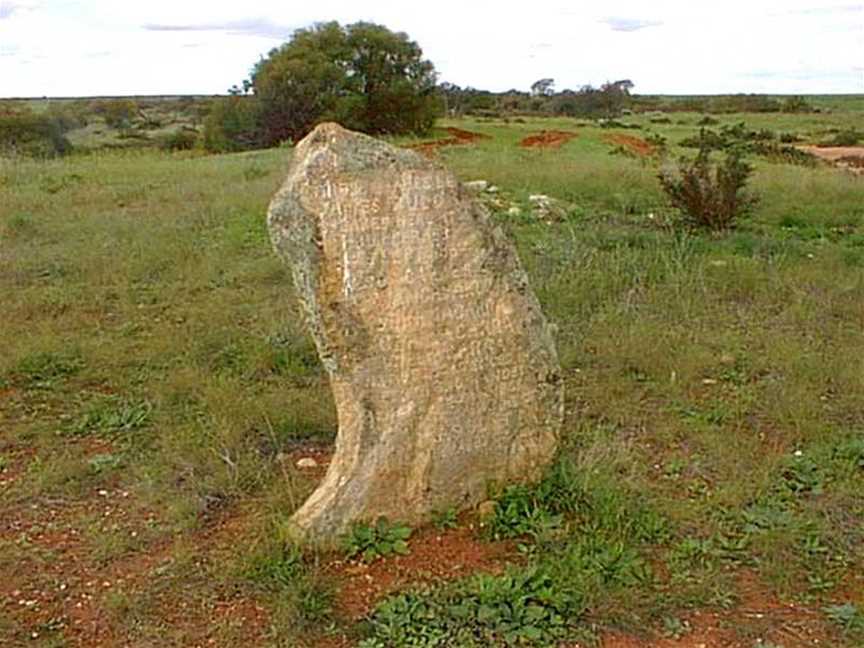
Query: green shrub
[763, 142]
[232, 125]
[848, 137]
[377, 541]
[33, 135]
[180, 140]
[710, 196]
[796, 104]
[524, 606]
[117, 113]
[706, 139]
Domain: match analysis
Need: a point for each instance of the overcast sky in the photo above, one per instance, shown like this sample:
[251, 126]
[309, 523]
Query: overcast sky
[121, 47]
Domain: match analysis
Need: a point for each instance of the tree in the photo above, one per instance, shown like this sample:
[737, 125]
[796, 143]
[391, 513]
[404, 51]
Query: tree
[543, 87]
[362, 75]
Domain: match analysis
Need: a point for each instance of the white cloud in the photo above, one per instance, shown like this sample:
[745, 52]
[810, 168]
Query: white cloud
[630, 24]
[165, 46]
[249, 27]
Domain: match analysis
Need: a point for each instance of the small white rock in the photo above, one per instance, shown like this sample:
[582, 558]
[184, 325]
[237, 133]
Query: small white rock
[307, 462]
[477, 185]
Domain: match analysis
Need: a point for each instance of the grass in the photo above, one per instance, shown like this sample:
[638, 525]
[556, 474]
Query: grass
[715, 387]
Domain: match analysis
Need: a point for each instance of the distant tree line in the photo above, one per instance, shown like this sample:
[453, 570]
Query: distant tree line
[607, 101]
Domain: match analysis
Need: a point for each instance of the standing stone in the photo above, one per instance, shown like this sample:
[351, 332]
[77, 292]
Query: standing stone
[442, 366]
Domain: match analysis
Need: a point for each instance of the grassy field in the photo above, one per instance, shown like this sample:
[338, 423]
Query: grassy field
[157, 388]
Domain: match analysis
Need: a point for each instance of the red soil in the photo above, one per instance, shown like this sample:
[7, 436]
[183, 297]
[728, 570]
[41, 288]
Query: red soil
[435, 556]
[457, 137]
[548, 139]
[759, 614]
[636, 145]
[59, 581]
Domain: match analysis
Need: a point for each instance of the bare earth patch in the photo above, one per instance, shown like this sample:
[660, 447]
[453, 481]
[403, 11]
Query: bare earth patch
[759, 617]
[63, 588]
[458, 137]
[635, 144]
[435, 556]
[548, 139]
[844, 157]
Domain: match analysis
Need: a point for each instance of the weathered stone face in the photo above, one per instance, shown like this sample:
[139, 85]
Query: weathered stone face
[442, 365]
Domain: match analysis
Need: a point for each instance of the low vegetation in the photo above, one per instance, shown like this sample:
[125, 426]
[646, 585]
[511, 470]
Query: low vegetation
[710, 196]
[157, 389]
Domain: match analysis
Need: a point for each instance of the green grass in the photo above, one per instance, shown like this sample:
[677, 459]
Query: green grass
[715, 389]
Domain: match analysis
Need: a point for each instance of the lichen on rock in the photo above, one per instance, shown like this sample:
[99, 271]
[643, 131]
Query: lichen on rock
[443, 368]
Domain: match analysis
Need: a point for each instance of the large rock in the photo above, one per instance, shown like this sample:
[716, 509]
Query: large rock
[443, 368]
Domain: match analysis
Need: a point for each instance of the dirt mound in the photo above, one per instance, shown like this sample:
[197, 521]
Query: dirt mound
[848, 157]
[548, 139]
[634, 144]
[457, 137]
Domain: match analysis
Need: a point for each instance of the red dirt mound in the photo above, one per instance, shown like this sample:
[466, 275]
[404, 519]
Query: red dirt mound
[634, 144]
[548, 139]
[457, 138]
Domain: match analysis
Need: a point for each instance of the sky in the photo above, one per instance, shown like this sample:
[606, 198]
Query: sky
[116, 47]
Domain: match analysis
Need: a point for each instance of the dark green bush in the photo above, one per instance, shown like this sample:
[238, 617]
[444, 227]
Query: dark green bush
[848, 137]
[232, 125]
[34, 135]
[180, 140]
[763, 142]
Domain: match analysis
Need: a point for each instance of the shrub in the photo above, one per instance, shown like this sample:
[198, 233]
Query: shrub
[34, 135]
[762, 142]
[710, 196]
[382, 539]
[232, 125]
[523, 606]
[180, 140]
[706, 140]
[849, 137]
[117, 113]
[796, 105]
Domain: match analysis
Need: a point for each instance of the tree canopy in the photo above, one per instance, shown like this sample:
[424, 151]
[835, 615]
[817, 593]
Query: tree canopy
[364, 76]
